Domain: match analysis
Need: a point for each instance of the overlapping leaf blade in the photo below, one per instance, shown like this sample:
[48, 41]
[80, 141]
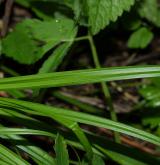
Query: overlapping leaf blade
[55, 113]
[10, 157]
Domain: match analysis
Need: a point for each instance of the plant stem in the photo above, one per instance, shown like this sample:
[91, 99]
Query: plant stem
[104, 86]
[81, 38]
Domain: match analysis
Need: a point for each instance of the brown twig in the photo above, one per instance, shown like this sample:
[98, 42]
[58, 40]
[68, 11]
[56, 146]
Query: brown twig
[6, 17]
[139, 59]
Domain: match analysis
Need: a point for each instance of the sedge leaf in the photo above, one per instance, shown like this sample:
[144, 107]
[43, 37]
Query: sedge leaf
[55, 58]
[95, 140]
[62, 157]
[10, 157]
[66, 115]
[79, 77]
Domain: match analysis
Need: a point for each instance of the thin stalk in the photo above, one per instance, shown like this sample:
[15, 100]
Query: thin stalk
[104, 86]
[81, 38]
[76, 39]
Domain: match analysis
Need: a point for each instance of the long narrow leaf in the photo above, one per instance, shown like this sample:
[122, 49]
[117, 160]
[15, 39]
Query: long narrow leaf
[124, 151]
[79, 77]
[23, 131]
[54, 113]
[10, 157]
[35, 152]
[55, 58]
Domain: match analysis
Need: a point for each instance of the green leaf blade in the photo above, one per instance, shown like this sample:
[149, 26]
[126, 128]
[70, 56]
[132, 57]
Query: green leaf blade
[78, 117]
[62, 157]
[79, 77]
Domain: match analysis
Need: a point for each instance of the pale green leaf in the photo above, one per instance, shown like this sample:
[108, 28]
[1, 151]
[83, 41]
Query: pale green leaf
[140, 38]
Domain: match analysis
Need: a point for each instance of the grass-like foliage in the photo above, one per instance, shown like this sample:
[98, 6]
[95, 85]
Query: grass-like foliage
[33, 132]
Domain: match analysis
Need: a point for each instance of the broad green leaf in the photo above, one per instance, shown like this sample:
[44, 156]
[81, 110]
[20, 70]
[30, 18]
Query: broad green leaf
[149, 9]
[140, 38]
[101, 12]
[10, 157]
[32, 38]
[62, 157]
[20, 46]
[78, 117]
[79, 77]
[57, 30]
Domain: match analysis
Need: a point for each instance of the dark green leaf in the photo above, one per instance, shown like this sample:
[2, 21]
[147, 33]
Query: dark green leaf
[101, 12]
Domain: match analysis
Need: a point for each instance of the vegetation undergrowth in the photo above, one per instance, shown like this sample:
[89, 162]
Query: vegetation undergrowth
[44, 120]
